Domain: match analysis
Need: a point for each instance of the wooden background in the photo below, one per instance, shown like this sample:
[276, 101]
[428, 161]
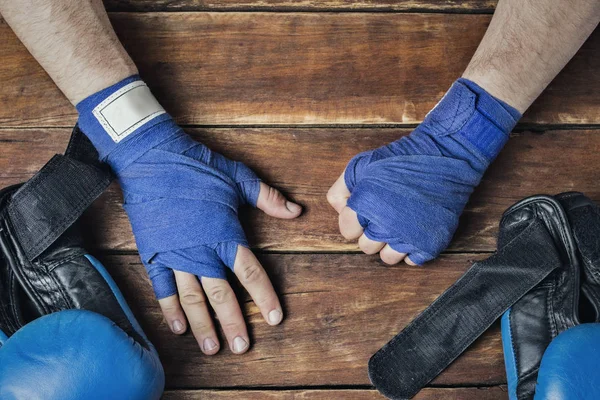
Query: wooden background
[295, 88]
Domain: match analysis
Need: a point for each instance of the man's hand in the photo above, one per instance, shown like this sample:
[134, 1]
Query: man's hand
[404, 200]
[194, 296]
[351, 229]
[182, 200]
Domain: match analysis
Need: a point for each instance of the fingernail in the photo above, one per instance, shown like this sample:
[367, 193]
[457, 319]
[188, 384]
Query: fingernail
[292, 207]
[177, 326]
[275, 317]
[239, 345]
[209, 344]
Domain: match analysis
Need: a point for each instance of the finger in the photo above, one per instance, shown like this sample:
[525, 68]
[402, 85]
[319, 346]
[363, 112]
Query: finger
[273, 203]
[162, 278]
[410, 262]
[195, 307]
[349, 226]
[338, 194]
[223, 301]
[391, 256]
[256, 281]
[174, 315]
[369, 246]
[165, 289]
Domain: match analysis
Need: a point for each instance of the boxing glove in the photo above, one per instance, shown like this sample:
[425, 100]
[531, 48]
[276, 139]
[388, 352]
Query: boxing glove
[74, 355]
[65, 329]
[534, 250]
[584, 218]
[533, 280]
[570, 367]
[545, 311]
[565, 299]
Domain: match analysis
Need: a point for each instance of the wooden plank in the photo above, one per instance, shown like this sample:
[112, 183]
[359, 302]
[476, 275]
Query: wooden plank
[487, 393]
[295, 68]
[339, 310]
[479, 6]
[305, 162]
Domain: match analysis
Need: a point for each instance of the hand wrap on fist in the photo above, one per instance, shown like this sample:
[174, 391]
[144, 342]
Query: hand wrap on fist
[411, 192]
[181, 198]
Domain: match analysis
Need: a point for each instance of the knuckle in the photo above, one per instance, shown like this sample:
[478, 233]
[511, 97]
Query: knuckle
[219, 295]
[234, 327]
[192, 298]
[332, 198]
[170, 308]
[366, 248]
[347, 232]
[274, 196]
[388, 258]
[202, 328]
[265, 301]
[251, 273]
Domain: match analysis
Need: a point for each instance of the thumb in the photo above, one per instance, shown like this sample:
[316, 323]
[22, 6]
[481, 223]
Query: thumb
[338, 194]
[273, 203]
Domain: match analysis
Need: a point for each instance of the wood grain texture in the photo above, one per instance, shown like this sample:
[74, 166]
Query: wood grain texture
[488, 393]
[295, 68]
[339, 309]
[481, 6]
[305, 162]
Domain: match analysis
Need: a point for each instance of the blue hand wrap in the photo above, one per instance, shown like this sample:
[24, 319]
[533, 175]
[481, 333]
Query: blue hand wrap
[181, 198]
[411, 192]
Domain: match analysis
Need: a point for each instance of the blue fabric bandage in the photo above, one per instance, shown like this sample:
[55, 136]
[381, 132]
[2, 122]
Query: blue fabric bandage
[182, 199]
[411, 192]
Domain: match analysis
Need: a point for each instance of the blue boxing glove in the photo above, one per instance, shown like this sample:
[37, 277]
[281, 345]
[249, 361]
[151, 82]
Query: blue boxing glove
[77, 354]
[410, 193]
[569, 368]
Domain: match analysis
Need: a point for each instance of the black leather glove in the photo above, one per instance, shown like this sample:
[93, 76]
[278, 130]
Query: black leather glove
[66, 331]
[567, 297]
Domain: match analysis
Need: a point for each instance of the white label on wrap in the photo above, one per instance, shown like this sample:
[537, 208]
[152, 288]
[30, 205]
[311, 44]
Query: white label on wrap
[127, 109]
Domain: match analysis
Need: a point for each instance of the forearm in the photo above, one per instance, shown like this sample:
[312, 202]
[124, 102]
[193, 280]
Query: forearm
[73, 41]
[526, 45]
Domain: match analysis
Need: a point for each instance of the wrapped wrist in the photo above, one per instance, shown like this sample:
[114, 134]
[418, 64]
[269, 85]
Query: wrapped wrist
[124, 121]
[472, 114]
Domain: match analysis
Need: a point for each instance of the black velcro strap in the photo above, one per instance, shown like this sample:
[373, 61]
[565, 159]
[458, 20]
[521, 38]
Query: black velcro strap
[462, 313]
[80, 148]
[46, 205]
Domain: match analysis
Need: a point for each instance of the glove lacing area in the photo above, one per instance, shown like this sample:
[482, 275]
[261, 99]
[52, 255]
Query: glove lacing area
[411, 193]
[182, 200]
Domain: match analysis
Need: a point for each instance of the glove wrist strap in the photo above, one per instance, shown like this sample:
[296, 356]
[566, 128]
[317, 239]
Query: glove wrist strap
[42, 209]
[462, 313]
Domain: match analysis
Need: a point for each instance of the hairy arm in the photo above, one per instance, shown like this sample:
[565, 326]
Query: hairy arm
[527, 44]
[73, 41]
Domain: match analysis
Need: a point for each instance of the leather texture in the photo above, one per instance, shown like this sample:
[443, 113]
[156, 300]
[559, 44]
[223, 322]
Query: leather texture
[528, 326]
[15, 306]
[66, 331]
[566, 298]
[61, 278]
[532, 245]
[584, 217]
[77, 354]
[570, 368]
